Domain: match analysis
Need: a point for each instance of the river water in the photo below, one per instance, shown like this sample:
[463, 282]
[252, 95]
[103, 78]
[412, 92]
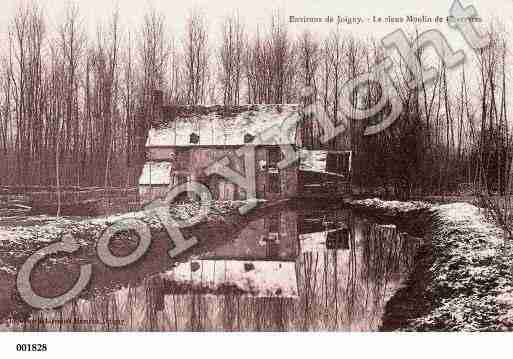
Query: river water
[294, 269]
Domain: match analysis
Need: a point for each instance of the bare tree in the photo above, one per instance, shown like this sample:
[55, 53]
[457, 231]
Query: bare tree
[230, 58]
[196, 55]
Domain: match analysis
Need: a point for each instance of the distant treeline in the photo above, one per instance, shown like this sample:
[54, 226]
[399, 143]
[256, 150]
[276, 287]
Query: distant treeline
[75, 108]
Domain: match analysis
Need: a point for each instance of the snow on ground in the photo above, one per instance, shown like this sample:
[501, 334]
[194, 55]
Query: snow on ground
[42, 229]
[472, 279]
[25, 235]
[390, 207]
[471, 284]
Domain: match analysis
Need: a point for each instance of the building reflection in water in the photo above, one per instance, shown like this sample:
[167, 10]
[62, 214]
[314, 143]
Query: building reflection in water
[287, 271]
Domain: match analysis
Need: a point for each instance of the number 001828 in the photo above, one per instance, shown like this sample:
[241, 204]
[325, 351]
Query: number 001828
[31, 347]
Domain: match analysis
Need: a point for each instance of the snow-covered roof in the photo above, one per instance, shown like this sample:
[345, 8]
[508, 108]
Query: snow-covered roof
[217, 125]
[316, 242]
[255, 278]
[313, 160]
[155, 173]
[313, 242]
[317, 161]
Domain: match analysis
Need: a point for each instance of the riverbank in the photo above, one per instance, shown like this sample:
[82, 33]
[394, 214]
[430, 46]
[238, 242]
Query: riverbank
[462, 280]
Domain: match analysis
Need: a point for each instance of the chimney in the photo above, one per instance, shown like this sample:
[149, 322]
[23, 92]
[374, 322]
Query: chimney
[158, 104]
[158, 99]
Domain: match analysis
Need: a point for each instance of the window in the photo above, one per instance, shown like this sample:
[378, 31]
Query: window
[274, 157]
[262, 165]
[248, 138]
[194, 139]
[274, 177]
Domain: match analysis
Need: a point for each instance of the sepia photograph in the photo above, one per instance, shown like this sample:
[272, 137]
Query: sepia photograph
[254, 167]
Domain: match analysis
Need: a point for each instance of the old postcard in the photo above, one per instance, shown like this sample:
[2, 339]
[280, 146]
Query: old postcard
[270, 166]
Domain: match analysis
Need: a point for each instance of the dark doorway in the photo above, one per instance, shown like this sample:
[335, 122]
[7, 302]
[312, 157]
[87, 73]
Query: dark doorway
[274, 177]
